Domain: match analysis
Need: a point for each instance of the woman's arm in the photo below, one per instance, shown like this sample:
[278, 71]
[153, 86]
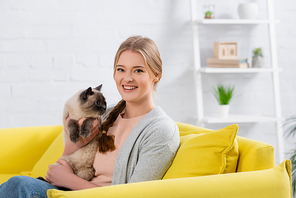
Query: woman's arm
[61, 173]
[62, 176]
[71, 147]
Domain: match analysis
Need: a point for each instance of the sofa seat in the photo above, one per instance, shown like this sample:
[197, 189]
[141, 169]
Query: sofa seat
[270, 183]
[5, 177]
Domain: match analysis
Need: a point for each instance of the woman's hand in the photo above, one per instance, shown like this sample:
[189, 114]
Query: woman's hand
[62, 176]
[59, 174]
[71, 147]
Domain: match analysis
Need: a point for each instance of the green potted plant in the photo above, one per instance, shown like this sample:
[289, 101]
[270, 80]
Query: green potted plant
[223, 94]
[208, 15]
[209, 11]
[258, 60]
[290, 130]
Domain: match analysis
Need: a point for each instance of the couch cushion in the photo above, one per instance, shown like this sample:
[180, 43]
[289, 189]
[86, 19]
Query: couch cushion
[186, 129]
[5, 177]
[22, 147]
[275, 182]
[52, 154]
[205, 153]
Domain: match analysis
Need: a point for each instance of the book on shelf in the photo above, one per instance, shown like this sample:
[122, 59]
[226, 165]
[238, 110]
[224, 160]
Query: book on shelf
[228, 63]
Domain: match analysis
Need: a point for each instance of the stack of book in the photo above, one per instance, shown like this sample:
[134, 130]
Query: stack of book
[227, 63]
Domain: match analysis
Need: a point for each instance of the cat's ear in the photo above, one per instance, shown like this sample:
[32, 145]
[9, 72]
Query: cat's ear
[99, 87]
[85, 93]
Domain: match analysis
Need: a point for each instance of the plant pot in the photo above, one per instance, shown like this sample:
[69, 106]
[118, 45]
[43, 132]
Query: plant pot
[258, 62]
[223, 111]
[209, 11]
[248, 10]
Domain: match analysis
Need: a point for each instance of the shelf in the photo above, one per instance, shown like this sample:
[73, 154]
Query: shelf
[238, 70]
[239, 119]
[234, 21]
[273, 69]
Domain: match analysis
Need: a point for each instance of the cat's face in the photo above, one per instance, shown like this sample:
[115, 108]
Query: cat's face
[93, 102]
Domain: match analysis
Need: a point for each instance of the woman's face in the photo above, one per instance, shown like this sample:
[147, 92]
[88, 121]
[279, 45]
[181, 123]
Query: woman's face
[132, 78]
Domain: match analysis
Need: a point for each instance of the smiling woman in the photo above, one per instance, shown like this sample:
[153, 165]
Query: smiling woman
[151, 138]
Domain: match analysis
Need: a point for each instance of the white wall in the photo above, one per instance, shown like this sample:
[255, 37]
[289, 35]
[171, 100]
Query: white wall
[50, 49]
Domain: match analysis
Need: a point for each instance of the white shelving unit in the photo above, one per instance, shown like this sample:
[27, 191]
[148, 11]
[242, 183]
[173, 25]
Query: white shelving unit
[273, 69]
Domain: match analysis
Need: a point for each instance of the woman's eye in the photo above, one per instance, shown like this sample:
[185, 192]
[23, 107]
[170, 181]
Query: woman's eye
[120, 70]
[139, 71]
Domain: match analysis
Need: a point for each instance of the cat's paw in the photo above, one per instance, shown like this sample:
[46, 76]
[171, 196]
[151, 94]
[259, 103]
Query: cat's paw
[84, 133]
[73, 129]
[74, 137]
[86, 127]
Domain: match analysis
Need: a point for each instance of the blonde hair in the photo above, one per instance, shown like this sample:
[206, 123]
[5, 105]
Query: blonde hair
[148, 49]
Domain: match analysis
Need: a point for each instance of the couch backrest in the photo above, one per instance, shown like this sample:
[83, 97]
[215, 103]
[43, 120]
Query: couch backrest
[254, 155]
[21, 148]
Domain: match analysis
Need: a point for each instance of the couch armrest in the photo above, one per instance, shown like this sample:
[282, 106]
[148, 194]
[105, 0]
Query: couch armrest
[275, 182]
[254, 155]
[22, 147]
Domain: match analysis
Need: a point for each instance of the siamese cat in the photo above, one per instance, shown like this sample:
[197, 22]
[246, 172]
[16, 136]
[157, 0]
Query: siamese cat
[90, 104]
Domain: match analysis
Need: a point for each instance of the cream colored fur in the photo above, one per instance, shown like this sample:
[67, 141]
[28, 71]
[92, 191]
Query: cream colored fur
[82, 160]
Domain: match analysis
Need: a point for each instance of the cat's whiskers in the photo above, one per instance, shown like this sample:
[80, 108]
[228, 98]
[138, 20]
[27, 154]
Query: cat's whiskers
[96, 116]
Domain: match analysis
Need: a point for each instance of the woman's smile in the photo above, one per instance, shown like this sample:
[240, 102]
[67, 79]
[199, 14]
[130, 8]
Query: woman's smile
[129, 88]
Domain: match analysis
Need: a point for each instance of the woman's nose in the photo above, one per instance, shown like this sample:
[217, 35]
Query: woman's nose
[128, 78]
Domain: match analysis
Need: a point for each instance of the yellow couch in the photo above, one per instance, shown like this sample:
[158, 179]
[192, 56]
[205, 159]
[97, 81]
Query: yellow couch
[209, 163]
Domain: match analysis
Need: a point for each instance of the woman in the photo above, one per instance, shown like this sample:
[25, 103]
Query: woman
[139, 140]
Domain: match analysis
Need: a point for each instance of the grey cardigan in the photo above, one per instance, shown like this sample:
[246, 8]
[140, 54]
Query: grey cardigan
[149, 149]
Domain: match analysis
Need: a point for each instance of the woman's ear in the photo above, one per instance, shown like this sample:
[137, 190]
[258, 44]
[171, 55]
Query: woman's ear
[156, 79]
